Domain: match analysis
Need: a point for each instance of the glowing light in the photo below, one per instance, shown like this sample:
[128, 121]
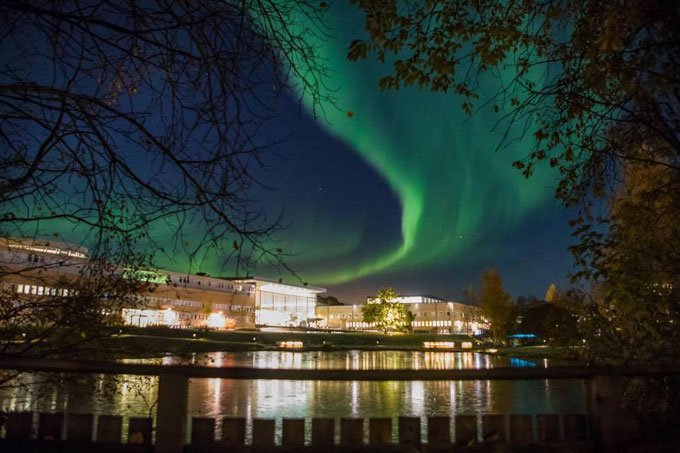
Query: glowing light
[272, 317]
[143, 318]
[439, 344]
[288, 289]
[216, 321]
[289, 344]
[169, 317]
[148, 276]
[47, 249]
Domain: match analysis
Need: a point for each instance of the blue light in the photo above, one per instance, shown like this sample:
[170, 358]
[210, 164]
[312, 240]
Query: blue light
[521, 363]
[522, 335]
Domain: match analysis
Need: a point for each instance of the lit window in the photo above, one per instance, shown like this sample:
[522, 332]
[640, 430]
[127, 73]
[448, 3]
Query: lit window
[20, 289]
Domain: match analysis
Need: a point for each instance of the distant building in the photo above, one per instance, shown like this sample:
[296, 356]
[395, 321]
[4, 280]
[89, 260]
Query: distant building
[409, 299]
[35, 268]
[431, 315]
[177, 300]
[340, 317]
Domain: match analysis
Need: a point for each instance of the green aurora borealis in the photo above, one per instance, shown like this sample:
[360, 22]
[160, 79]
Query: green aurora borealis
[441, 165]
[381, 188]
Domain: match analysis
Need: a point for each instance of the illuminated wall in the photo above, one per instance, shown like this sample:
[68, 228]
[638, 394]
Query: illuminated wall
[340, 316]
[430, 317]
[283, 305]
[409, 300]
[447, 317]
[177, 300]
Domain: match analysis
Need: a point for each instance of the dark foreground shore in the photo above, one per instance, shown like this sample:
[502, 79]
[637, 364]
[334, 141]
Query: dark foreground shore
[154, 342]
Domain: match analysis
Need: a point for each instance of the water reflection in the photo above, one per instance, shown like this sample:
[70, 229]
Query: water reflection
[306, 399]
[129, 396]
[522, 363]
[135, 396]
[351, 360]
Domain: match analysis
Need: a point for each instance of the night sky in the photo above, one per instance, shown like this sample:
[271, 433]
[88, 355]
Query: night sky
[402, 189]
[394, 189]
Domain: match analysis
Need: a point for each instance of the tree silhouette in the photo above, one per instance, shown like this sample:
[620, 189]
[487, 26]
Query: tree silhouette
[495, 302]
[118, 118]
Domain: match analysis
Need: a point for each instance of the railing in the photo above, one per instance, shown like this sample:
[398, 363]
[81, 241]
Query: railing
[605, 424]
[76, 432]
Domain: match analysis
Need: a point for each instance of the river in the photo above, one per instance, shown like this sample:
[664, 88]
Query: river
[136, 396]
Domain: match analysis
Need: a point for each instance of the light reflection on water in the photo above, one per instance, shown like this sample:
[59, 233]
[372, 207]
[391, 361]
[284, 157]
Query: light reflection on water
[263, 398]
[350, 360]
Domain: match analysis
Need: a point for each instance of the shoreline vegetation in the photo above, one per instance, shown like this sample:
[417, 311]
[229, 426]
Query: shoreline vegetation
[154, 342]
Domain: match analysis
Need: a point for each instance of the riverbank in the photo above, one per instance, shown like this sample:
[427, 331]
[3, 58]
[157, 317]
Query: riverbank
[132, 342]
[570, 353]
[164, 340]
[149, 342]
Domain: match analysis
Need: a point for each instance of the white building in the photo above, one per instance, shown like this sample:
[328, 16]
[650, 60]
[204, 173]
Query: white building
[42, 269]
[282, 304]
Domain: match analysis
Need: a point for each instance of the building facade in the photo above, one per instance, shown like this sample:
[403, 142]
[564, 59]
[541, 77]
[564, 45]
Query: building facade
[431, 315]
[340, 317]
[195, 301]
[34, 268]
[281, 304]
[174, 299]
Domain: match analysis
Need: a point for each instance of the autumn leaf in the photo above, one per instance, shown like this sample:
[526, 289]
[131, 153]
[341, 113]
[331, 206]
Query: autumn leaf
[540, 135]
